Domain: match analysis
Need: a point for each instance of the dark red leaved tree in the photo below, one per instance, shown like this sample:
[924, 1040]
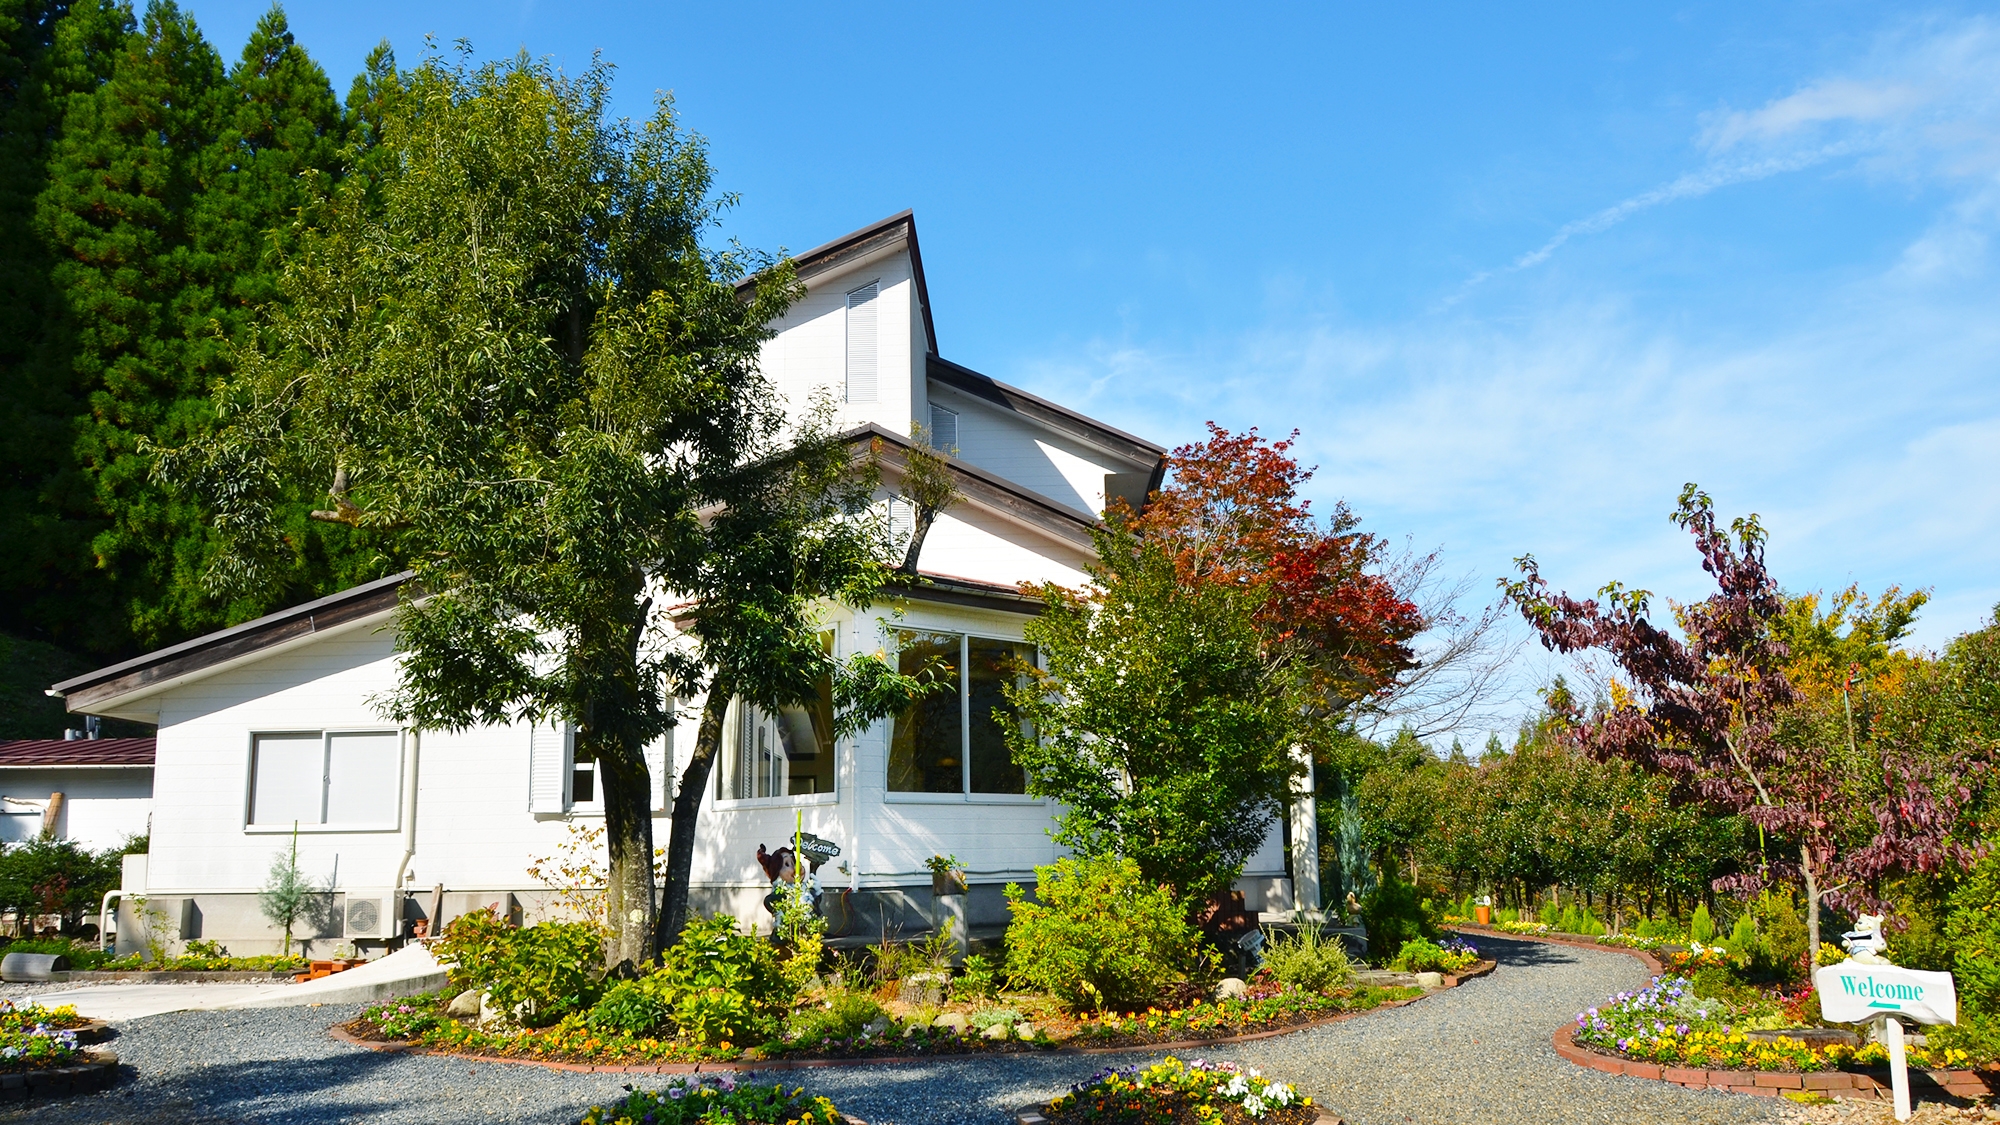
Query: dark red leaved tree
[1704, 708]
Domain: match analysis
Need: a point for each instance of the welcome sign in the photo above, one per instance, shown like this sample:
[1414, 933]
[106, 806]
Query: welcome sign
[1853, 992]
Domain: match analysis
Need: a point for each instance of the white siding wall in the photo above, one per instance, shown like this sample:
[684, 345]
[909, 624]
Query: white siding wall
[810, 350]
[1013, 448]
[102, 808]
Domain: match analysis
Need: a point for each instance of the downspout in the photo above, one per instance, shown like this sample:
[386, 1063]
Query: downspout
[409, 822]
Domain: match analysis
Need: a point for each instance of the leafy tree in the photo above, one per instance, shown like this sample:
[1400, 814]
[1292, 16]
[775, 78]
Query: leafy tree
[1222, 622]
[783, 539]
[1708, 709]
[47, 876]
[509, 360]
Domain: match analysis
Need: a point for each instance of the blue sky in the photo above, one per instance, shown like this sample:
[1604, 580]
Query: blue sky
[1515, 272]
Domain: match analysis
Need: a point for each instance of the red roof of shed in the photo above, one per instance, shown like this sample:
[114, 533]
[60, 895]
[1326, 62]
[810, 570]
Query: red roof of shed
[76, 752]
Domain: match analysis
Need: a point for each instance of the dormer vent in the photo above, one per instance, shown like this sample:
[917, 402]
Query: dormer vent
[861, 363]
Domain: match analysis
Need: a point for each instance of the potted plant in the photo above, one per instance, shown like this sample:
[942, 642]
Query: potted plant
[1483, 912]
[946, 877]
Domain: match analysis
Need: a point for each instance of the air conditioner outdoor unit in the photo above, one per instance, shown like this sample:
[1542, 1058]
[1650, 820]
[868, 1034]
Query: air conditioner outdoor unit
[371, 914]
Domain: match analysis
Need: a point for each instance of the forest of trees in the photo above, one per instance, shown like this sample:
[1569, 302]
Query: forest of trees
[148, 191]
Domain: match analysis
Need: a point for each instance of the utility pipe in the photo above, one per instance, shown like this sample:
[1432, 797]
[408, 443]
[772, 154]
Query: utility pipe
[409, 822]
[103, 917]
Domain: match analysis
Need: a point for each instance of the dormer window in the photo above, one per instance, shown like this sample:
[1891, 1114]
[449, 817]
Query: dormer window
[944, 430]
[861, 342]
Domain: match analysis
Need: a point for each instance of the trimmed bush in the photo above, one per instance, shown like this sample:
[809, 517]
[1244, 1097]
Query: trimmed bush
[722, 986]
[1100, 937]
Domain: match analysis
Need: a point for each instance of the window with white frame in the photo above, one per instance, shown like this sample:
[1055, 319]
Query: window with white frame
[956, 741]
[340, 779]
[788, 753]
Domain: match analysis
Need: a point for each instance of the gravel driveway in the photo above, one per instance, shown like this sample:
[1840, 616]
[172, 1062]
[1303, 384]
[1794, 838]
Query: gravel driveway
[1479, 1053]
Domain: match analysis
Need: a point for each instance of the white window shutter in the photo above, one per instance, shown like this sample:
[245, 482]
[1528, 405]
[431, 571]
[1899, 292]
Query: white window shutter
[861, 343]
[548, 769]
[944, 430]
[659, 764]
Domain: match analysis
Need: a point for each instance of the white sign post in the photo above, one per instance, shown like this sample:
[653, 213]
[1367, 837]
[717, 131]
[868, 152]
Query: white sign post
[1870, 990]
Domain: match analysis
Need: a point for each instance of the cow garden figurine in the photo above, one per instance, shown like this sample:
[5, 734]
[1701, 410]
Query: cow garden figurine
[1865, 942]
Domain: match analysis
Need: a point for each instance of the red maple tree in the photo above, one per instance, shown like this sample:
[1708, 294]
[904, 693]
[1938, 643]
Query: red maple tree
[1232, 516]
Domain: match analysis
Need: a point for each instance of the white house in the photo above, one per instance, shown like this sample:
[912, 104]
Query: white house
[96, 792]
[269, 722]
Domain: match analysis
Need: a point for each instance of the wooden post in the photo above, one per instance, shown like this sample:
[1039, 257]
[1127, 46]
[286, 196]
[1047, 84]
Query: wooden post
[437, 908]
[52, 816]
[1899, 1070]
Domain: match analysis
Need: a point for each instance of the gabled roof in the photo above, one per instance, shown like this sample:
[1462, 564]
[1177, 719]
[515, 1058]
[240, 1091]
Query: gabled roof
[99, 752]
[858, 244]
[903, 225]
[1053, 415]
[205, 652]
[994, 493]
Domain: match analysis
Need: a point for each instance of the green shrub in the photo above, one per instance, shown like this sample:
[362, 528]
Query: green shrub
[1308, 962]
[842, 1017]
[1393, 915]
[1100, 937]
[1576, 919]
[704, 1099]
[722, 986]
[1702, 927]
[979, 979]
[630, 1007]
[1419, 955]
[1662, 928]
[1973, 929]
[538, 975]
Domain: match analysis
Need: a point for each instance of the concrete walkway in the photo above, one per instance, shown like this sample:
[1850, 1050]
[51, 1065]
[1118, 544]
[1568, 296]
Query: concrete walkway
[404, 973]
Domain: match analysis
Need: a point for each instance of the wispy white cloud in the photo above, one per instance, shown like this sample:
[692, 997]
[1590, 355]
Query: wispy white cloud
[1925, 103]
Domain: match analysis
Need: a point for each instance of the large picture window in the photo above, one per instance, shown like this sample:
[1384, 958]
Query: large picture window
[955, 741]
[788, 753]
[344, 779]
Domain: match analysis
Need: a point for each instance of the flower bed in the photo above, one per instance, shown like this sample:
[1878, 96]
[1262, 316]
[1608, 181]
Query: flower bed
[1267, 1007]
[720, 1098]
[38, 1038]
[1524, 928]
[1666, 1023]
[1173, 1092]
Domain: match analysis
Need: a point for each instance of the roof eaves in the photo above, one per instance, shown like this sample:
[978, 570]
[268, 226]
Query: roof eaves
[238, 640]
[997, 492]
[860, 243]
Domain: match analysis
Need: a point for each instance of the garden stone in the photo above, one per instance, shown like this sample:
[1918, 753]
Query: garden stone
[1430, 980]
[1025, 1030]
[1231, 988]
[910, 1032]
[919, 989]
[877, 1026]
[464, 1006]
[997, 1031]
[955, 1021]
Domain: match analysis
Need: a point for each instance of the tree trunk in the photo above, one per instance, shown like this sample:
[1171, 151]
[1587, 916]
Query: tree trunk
[687, 810]
[628, 837]
[1812, 909]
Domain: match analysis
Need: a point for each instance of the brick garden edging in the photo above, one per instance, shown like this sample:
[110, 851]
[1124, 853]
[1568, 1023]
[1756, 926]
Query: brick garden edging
[410, 1047]
[61, 1081]
[1873, 1083]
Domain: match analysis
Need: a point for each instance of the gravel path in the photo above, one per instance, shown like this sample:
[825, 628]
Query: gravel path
[1478, 1053]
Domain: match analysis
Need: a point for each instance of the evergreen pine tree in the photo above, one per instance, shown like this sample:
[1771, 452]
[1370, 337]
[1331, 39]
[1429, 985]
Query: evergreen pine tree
[122, 179]
[51, 52]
